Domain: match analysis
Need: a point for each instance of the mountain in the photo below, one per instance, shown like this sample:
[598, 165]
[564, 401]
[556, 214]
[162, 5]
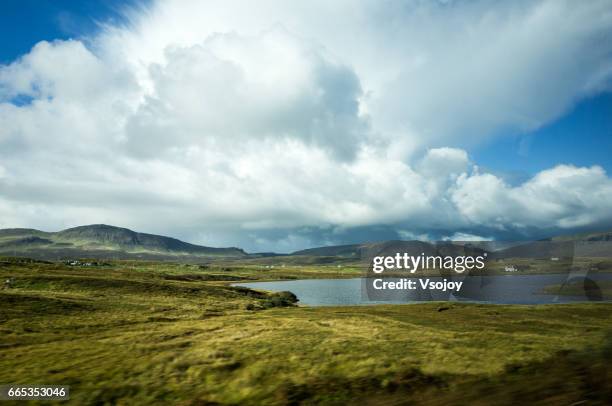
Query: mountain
[350, 251]
[544, 249]
[590, 244]
[103, 241]
[366, 250]
[591, 236]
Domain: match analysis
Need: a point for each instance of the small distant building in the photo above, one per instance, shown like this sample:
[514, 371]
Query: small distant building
[554, 259]
[510, 268]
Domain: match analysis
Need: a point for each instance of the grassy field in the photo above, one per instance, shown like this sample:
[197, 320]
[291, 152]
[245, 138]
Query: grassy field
[156, 333]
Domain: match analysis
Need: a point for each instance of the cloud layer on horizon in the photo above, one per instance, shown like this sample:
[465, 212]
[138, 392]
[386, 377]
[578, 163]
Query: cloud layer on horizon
[292, 125]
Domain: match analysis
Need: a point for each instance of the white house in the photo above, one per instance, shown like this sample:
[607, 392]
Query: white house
[510, 268]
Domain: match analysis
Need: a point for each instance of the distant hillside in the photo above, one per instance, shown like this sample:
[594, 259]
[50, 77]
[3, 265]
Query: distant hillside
[590, 244]
[104, 241]
[359, 251]
[351, 251]
[592, 236]
[99, 241]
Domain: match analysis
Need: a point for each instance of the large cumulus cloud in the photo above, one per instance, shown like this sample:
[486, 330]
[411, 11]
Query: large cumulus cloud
[282, 126]
[563, 197]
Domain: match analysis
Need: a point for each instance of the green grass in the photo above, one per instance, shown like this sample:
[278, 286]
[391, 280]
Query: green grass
[159, 333]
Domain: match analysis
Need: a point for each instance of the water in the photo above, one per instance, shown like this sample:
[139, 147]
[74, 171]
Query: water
[500, 289]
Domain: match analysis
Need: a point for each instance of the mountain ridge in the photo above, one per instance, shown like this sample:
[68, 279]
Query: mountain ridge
[104, 241]
[101, 239]
[356, 250]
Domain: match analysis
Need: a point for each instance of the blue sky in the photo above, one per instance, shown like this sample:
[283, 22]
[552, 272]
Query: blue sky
[582, 137]
[23, 23]
[282, 127]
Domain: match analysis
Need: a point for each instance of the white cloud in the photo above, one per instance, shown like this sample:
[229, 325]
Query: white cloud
[232, 88]
[429, 70]
[476, 69]
[563, 197]
[466, 237]
[227, 117]
[65, 70]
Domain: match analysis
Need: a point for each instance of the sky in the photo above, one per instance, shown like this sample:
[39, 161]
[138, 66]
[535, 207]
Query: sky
[291, 125]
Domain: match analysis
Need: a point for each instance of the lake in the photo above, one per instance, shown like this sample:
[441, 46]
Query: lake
[501, 289]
